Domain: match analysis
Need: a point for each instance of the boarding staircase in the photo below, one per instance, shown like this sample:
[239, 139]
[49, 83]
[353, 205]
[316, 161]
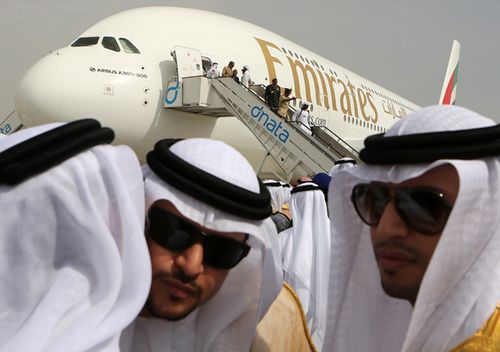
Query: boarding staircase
[292, 148]
[10, 124]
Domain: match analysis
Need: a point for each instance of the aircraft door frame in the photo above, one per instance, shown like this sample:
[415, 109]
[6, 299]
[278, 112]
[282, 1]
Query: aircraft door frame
[188, 62]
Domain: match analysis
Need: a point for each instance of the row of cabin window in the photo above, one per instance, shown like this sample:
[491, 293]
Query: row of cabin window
[358, 122]
[108, 43]
[305, 59]
[314, 63]
[387, 97]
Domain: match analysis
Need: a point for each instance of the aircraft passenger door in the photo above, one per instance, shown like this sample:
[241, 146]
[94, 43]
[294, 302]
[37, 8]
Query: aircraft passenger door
[189, 62]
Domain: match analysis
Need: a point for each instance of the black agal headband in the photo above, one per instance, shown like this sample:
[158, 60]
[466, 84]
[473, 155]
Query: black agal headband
[206, 187]
[306, 187]
[345, 161]
[428, 147]
[273, 184]
[48, 149]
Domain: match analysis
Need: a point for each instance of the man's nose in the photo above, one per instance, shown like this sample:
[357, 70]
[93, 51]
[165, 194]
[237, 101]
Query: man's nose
[190, 261]
[390, 224]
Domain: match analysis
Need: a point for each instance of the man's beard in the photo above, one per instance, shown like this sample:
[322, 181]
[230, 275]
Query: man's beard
[168, 312]
[404, 290]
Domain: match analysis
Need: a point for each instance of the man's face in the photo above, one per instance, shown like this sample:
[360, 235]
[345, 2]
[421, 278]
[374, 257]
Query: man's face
[181, 281]
[275, 82]
[403, 253]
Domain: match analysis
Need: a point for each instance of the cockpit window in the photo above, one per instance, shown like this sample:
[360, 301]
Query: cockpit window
[85, 41]
[128, 47]
[110, 43]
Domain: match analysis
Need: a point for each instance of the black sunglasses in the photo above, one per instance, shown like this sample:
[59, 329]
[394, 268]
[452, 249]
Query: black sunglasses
[176, 234]
[423, 209]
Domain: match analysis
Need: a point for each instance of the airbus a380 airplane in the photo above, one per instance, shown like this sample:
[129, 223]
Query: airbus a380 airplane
[118, 71]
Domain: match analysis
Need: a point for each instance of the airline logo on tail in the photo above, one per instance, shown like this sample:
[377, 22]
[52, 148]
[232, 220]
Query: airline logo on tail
[449, 91]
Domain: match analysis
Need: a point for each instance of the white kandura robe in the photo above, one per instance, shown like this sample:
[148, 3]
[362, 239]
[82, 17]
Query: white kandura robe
[460, 288]
[306, 257]
[74, 264]
[228, 321]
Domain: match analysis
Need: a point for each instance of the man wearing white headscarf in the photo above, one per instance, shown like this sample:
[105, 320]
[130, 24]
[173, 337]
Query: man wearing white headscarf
[213, 72]
[280, 196]
[74, 265]
[306, 255]
[246, 80]
[215, 252]
[340, 164]
[423, 275]
[280, 193]
[287, 192]
[302, 118]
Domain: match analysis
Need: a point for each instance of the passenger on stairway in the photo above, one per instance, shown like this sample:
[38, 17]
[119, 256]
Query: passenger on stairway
[302, 117]
[235, 75]
[272, 95]
[228, 70]
[213, 72]
[284, 103]
[246, 80]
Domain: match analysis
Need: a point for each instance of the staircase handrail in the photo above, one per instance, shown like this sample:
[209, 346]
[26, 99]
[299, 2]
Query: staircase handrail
[5, 119]
[329, 131]
[340, 140]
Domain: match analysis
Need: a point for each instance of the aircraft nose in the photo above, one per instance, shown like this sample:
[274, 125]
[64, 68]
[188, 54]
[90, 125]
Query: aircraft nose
[39, 94]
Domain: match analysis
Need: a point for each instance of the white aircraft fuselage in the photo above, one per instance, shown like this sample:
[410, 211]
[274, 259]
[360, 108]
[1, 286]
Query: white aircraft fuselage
[126, 90]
